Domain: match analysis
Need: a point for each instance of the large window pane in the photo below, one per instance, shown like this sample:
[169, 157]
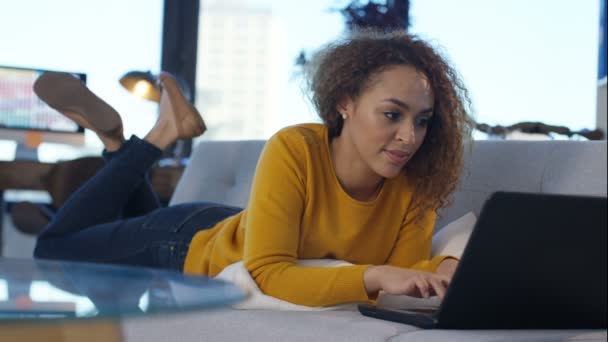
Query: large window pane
[522, 60]
[103, 39]
[247, 82]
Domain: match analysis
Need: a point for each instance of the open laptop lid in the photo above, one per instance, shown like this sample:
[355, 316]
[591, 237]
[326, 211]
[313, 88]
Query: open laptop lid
[533, 261]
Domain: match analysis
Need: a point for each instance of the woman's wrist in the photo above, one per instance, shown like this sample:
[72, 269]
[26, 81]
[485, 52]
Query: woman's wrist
[371, 280]
[447, 267]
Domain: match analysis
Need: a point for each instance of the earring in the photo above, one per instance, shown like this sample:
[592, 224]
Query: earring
[344, 116]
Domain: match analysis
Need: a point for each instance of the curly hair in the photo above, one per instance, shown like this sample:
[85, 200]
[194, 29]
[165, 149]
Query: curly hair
[346, 68]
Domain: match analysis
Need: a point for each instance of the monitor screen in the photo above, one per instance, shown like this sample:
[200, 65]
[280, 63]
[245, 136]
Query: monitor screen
[21, 111]
[20, 108]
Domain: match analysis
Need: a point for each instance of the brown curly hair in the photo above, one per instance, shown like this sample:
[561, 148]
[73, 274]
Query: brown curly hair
[343, 69]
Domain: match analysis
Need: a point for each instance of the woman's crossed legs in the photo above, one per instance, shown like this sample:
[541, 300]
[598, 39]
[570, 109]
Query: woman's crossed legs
[115, 217]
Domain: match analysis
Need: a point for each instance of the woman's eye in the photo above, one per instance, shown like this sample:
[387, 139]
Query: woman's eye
[423, 122]
[394, 116]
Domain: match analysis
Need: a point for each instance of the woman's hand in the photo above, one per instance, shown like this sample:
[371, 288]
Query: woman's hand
[447, 267]
[402, 281]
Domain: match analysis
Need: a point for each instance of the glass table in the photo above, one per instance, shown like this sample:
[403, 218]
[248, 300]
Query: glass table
[39, 296]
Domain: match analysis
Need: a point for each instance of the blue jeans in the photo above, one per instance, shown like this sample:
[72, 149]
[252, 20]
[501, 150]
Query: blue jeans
[116, 217]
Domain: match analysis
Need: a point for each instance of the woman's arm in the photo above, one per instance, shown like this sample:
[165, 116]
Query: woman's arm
[412, 249]
[273, 231]
[448, 266]
[410, 270]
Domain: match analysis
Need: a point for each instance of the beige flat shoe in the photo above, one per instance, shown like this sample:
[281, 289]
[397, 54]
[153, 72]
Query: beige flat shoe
[67, 94]
[188, 120]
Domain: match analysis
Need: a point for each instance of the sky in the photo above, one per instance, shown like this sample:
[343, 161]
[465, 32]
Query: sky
[521, 60]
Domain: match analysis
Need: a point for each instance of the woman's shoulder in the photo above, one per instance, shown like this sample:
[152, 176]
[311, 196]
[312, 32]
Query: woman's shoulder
[306, 130]
[295, 147]
[311, 134]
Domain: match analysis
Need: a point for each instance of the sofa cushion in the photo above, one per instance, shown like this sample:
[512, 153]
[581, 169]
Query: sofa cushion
[564, 167]
[220, 172]
[262, 325]
[491, 165]
[502, 336]
[578, 169]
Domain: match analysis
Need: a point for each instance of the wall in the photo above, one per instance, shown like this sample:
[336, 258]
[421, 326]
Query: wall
[601, 108]
[601, 70]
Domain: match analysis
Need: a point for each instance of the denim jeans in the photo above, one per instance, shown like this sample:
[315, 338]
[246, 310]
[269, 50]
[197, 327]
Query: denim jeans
[116, 217]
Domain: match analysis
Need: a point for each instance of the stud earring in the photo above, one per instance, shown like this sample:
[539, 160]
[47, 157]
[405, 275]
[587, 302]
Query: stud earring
[344, 116]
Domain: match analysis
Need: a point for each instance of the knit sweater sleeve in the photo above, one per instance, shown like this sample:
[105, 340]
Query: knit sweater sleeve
[273, 230]
[413, 246]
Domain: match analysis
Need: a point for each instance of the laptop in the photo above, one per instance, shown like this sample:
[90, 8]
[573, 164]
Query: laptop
[533, 261]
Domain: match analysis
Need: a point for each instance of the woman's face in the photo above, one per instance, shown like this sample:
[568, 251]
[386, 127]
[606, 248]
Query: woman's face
[388, 122]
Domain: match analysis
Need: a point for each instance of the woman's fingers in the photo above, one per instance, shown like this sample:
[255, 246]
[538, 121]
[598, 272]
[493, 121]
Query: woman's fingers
[423, 286]
[415, 283]
[444, 279]
[432, 285]
[438, 287]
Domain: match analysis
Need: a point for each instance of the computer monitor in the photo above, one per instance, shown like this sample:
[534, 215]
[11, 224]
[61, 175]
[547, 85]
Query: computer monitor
[25, 118]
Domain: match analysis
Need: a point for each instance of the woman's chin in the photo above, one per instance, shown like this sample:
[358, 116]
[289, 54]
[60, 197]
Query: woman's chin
[391, 172]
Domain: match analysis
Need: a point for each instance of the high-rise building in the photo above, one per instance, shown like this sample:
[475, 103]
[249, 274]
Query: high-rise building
[240, 58]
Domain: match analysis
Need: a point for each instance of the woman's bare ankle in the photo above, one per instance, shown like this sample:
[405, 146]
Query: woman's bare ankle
[162, 135]
[112, 146]
[112, 142]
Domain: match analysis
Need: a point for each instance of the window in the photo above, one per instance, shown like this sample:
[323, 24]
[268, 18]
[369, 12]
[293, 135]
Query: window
[521, 60]
[103, 39]
[259, 41]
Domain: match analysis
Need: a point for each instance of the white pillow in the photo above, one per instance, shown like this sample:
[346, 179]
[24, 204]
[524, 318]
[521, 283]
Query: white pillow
[451, 239]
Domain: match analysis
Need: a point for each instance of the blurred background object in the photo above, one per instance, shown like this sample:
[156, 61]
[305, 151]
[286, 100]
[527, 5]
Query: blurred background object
[536, 128]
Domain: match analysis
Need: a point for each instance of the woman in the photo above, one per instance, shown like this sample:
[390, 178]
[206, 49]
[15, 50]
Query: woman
[364, 186]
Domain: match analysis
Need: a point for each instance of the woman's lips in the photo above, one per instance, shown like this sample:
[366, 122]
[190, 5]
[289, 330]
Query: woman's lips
[397, 157]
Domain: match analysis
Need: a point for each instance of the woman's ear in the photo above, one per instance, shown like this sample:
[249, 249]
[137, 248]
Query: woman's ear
[345, 107]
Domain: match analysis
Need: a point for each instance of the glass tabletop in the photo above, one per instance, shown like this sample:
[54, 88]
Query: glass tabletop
[42, 289]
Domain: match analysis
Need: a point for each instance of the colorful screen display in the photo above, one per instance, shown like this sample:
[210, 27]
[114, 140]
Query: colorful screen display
[20, 108]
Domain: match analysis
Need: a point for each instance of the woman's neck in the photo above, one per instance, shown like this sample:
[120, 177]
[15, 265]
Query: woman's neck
[357, 178]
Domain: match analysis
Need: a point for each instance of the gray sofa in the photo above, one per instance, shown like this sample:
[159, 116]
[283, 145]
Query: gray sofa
[222, 172]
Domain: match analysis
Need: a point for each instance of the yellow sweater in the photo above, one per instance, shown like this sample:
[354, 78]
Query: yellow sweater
[298, 210]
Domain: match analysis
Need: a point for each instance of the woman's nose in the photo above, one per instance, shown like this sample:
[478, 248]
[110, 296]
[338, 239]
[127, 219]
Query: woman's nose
[407, 133]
